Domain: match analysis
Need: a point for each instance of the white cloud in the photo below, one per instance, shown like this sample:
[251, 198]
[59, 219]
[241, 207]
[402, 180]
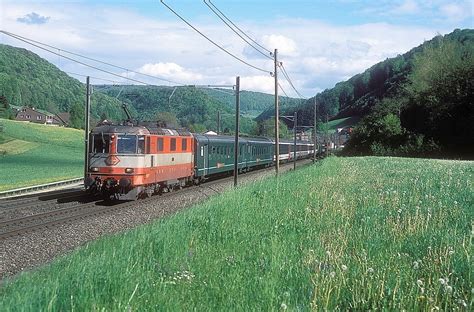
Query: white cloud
[170, 71]
[33, 18]
[257, 83]
[315, 54]
[407, 7]
[286, 46]
[456, 12]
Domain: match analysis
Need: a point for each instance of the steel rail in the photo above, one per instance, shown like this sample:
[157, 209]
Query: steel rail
[27, 224]
[31, 189]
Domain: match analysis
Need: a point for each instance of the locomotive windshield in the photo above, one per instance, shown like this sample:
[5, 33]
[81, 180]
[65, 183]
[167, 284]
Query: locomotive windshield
[127, 144]
[100, 143]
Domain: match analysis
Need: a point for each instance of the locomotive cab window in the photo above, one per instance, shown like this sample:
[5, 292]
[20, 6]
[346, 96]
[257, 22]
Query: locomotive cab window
[141, 144]
[127, 144]
[100, 143]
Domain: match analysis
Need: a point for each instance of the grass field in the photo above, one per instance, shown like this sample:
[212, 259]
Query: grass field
[356, 234]
[333, 125]
[32, 154]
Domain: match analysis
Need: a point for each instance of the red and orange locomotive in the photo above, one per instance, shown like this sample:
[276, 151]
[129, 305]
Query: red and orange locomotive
[131, 161]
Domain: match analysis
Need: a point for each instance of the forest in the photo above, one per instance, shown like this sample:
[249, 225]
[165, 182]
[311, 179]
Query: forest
[416, 104]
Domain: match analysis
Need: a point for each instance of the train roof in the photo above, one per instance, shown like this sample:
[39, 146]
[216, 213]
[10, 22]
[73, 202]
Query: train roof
[229, 138]
[140, 130]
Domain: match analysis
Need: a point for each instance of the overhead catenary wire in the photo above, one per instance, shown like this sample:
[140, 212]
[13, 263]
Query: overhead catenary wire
[211, 6]
[96, 78]
[41, 45]
[285, 73]
[243, 32]
[212, 41]
[74, 60]
[89, 58]
[283, 90]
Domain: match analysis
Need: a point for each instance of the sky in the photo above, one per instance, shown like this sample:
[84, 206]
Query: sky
[319, 43]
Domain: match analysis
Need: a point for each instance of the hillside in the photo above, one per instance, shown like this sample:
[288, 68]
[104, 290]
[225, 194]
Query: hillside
[32, 154]
[372, 233]
[187, 106]
[252, 104]
[416, 104]
[356, 96]
[27, 79]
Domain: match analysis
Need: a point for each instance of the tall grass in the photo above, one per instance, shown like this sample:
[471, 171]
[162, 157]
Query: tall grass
[32, 154]
[350, 233]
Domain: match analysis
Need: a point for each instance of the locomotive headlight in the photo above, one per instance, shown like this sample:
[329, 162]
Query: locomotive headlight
[95, 169]
[129, 170]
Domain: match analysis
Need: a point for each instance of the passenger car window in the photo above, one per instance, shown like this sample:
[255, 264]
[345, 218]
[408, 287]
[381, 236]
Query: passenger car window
[173, 144]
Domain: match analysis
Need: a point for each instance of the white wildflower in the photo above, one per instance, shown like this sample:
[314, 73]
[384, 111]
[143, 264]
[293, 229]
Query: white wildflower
[332, 274]
[343, 267]
[451, 252]
[415, 265]
[370, 270]
[419, 283]
[448, 289]
[442, 281]
[462, 302]
[283, 306]
[328, 253]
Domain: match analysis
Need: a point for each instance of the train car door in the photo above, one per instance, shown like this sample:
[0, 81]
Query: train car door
[205, 154]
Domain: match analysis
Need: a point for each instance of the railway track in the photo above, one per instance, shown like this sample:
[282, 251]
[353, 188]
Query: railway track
[24, 225]
[41, 200]
[44, 220]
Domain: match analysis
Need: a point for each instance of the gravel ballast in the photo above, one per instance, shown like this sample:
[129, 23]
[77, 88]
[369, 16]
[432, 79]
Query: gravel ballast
[40, 247]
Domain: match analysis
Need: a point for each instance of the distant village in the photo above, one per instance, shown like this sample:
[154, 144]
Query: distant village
[31, 114]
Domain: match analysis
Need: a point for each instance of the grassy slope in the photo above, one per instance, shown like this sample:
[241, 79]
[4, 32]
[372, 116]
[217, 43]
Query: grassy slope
[38, 154]
[333, 125]
[358, 233]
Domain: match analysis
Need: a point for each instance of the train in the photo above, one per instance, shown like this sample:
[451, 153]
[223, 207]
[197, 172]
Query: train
[127, 162]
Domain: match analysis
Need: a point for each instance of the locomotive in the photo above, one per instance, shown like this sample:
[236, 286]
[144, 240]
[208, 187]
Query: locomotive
[133, 161]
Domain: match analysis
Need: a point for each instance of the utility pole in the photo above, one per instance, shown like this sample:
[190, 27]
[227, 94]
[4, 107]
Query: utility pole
[277, 117]
[236, 144]
[86, 130]
[295, 123]
[327, 136]
[218, 122]
[315, 121]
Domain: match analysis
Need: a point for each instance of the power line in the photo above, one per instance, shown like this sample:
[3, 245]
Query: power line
[89, 58]
[214, 9]
[281, 88]
[285, 73]
[212, 41]
[96, 78]
[71, 59]
[243, 32]
[38, 45]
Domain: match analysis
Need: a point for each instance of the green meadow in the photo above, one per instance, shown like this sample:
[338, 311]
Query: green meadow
[32, 154]
[366, 233]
